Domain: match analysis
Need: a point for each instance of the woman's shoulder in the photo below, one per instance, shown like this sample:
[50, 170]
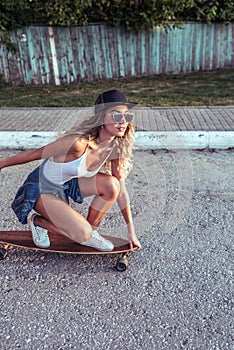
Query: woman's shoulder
[76, 139]
[80, 143]
[75, 143]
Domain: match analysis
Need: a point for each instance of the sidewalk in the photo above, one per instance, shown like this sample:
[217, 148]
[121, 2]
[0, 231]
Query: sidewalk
[156, 127]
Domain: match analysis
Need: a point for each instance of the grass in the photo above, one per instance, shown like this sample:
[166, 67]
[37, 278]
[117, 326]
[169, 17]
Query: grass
[193, 89]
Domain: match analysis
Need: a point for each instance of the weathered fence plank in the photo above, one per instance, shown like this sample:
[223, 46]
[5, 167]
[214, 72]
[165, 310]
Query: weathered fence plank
[58, 55]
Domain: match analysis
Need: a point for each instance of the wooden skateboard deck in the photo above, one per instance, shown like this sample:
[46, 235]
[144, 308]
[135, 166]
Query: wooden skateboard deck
[62, 244]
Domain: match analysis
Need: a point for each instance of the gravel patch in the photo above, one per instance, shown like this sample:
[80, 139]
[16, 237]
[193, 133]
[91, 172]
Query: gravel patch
[178, 290]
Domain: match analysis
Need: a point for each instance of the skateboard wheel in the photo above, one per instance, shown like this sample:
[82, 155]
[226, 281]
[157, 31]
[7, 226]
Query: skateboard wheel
[122, 264]
[3, 253]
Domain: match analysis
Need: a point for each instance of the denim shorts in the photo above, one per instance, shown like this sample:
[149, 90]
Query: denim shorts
[36, 184]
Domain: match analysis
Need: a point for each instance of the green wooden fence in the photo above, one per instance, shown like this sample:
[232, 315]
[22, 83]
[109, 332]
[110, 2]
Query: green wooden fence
[58, 55]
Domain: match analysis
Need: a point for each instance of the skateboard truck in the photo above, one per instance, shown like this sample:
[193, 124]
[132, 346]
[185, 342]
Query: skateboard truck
[122, 263]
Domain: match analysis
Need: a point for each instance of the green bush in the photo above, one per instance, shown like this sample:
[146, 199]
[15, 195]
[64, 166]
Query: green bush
[131, 14]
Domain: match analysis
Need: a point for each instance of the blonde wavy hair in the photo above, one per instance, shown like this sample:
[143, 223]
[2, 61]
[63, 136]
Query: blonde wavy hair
[90, 129]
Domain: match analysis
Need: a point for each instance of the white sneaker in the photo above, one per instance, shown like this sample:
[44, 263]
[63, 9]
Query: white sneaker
[39, 235]
[98, 242]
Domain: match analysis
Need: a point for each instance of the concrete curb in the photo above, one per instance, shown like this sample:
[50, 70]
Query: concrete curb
[185, 139]
[144, 140]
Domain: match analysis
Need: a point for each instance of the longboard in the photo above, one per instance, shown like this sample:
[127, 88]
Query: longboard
[62, 244]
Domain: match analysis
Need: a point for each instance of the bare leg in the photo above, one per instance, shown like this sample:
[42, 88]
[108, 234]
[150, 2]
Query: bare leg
[58, 217]
[107, 189]
[43, 222]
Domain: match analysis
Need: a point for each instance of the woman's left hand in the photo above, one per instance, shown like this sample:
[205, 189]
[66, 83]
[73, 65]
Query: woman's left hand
[133, 242]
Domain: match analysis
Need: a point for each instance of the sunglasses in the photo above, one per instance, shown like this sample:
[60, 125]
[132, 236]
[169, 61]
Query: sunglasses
[119, 117]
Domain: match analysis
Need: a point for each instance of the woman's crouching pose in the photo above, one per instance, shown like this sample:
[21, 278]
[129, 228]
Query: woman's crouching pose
[72, 168]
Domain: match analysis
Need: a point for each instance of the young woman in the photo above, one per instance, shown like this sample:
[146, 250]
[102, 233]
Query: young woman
[73, 167]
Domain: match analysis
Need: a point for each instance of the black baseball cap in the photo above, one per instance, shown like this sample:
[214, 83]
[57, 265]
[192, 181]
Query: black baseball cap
[112, 98]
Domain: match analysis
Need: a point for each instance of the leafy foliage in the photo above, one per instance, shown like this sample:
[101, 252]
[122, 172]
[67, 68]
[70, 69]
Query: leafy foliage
[131, 14]
[13, 14]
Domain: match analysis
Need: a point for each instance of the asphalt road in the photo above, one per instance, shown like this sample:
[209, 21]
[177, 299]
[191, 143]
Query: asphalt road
[178, 290]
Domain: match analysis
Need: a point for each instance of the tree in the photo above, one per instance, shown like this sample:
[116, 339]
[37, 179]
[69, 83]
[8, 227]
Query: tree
[130, 14]
[13, 14]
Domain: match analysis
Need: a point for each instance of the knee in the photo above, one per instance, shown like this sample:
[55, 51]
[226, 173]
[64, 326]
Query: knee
[112, 188]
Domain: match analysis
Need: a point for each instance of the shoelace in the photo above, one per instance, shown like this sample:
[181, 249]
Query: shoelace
[99, 238]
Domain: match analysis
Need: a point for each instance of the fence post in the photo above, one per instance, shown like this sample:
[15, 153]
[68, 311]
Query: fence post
[54, 56]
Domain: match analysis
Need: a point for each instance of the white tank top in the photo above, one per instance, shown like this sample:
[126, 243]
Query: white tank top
[59, 173]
